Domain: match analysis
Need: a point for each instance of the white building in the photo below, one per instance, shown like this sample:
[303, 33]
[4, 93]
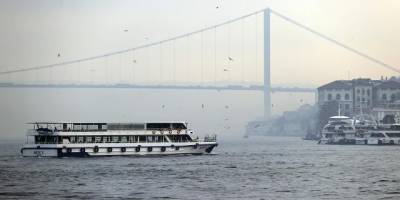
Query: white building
[362, 96]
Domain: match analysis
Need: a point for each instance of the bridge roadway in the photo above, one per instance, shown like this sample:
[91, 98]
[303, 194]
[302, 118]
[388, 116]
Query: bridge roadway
[178, 87]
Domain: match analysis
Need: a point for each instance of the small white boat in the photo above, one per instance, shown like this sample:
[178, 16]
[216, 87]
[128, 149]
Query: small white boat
[58, 139]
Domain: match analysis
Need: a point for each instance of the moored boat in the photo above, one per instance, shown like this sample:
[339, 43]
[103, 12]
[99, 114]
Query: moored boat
[384, 135]
[338, 130]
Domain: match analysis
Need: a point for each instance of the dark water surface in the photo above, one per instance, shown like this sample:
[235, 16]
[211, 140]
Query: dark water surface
[256, 168]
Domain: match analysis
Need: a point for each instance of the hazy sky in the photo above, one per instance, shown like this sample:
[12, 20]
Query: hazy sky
[34, 32]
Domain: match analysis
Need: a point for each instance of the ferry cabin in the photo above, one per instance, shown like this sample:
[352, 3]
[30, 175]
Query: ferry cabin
[94, 139]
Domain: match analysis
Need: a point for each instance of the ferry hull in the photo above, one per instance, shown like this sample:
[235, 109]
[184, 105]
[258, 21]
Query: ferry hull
[113, 150]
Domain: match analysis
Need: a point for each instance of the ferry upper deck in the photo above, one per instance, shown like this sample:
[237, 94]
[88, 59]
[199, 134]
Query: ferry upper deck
[62, 128]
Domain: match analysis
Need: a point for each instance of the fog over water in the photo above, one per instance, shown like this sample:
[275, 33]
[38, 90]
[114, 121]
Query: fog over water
[225, 113]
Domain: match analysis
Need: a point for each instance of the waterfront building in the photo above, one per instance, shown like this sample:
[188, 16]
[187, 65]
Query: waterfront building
[362, 96]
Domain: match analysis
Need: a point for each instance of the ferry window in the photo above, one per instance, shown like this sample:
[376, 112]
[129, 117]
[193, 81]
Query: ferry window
[150, 139]
[178, 126]
[377, 135]
[124, 139]
[347, 96]
[392, 97]
[72, 139]
[393, 134]
[80, 139]
[330, 128]
[172, 138]
[89, 139]
[93, 127]
[384, 97]
[337, 96]
[115, 139]
[48, 140]
[125, 126]
[142, 138]
[160, 138]
[187, 138]
[97, 139]
[137, 126]
[78, 127]
[152, 126]
[106, 139]
[132, 139]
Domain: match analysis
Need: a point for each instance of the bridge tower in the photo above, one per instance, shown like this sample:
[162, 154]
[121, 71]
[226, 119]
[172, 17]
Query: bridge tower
[267, 62]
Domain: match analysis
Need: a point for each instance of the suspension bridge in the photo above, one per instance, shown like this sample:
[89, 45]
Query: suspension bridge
[209, 58]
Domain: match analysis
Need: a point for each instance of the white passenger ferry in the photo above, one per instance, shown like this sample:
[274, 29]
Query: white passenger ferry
[339, 130]
[49, 139]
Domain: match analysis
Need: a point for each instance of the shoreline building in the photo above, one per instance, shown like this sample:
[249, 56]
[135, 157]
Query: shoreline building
[362, 96]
